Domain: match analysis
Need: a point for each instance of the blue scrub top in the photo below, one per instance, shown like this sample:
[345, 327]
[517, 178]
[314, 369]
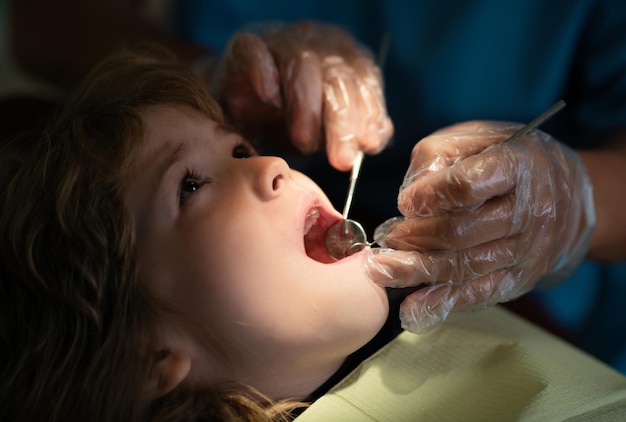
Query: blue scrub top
[451, 61]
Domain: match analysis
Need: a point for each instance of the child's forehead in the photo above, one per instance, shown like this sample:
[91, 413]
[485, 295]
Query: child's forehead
[169, 125]
[174, 119]
[171, 112]
[175, 115]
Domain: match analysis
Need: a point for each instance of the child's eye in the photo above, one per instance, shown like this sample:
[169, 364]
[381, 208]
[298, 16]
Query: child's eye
[244, 150]
[189, 185]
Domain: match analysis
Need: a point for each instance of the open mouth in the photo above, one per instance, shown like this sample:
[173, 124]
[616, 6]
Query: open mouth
[316, 224]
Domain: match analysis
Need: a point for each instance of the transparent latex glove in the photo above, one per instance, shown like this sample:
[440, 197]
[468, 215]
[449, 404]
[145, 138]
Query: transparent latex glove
[306, 84]
[483, 221]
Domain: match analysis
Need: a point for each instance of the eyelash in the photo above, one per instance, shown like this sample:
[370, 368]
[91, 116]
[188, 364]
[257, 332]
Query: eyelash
[244, 150]
[195, 181]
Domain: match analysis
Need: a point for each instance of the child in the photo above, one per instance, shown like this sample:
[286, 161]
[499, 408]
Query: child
[153, 266]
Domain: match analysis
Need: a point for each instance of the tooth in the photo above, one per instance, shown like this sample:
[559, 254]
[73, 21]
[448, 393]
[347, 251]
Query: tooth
[311, 219]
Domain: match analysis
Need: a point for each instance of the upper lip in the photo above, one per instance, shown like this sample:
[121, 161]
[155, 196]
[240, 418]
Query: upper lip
[313, 200]
[328, 215]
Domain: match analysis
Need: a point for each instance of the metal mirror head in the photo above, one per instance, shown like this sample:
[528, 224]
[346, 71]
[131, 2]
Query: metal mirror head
[345, 238]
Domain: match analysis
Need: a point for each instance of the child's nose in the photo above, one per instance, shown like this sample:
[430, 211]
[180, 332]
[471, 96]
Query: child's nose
[270, 177]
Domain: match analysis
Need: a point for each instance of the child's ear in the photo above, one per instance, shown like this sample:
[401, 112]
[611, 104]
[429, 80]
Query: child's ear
[169, 371]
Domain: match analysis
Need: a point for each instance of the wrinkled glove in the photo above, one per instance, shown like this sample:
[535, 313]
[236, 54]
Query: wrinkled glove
[307, 84]
[483, 221]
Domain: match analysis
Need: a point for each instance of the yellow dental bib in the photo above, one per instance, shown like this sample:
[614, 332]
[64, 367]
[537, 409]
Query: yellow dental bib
[484, 366]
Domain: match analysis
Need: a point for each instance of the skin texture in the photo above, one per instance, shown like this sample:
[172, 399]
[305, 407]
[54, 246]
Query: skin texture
[225, 247]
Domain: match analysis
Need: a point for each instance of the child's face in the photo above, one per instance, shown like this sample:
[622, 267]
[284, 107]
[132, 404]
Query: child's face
[223, 238]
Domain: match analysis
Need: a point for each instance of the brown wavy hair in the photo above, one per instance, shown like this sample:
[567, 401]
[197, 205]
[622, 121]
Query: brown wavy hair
[76, 326]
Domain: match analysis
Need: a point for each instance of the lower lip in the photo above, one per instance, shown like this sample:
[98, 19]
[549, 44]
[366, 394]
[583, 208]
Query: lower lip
[350, 258]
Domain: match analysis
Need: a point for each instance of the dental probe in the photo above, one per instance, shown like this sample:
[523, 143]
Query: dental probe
[354, 174]
[537, 121]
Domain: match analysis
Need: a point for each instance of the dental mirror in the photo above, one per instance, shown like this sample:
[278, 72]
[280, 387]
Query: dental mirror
[344, 238]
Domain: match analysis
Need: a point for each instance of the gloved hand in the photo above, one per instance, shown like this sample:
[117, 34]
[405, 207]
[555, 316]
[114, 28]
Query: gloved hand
[308, 82]
[483, 221]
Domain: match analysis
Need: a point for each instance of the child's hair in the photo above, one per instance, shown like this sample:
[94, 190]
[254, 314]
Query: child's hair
[76, 326]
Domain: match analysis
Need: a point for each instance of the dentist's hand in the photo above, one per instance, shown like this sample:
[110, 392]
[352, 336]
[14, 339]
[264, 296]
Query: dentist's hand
[484, 221]
[307, 82]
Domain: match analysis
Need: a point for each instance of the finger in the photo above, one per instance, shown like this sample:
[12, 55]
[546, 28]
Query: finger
[376, 126]
[301, 78]
[399, 269]
[342, 108]
[466, 183]
[455, 230]
[453, 143]
[249, 55]
[426, 308]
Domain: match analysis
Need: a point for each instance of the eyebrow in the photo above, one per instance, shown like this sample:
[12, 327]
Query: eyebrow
[224, 129]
